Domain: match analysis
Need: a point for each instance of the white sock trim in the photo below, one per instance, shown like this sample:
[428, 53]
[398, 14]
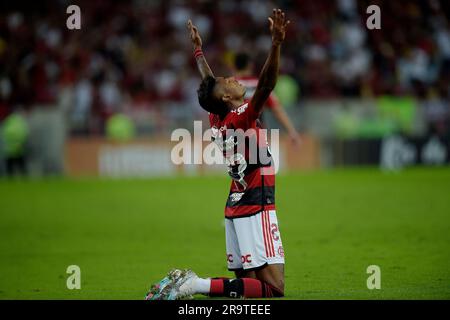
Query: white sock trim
[202, 285]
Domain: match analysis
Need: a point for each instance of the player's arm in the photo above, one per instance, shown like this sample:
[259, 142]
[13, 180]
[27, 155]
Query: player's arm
[281, 115]
[196, 40]
[269, 73]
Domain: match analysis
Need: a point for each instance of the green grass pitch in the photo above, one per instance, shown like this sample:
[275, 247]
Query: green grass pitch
[126, 234]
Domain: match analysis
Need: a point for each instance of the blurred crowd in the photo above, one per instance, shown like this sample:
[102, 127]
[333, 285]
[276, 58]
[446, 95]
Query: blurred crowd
[135, 58]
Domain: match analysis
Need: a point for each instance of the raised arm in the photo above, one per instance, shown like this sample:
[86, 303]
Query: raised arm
[269, 73]
[196, 40]
[281, 115]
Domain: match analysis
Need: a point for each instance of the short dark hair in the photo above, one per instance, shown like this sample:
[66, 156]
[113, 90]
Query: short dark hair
[241, 60]
[206, 98]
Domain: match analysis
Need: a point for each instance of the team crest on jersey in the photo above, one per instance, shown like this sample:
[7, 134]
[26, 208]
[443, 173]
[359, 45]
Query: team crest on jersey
[234, 197]
[281, 251]
[217, 131]
[224, 144]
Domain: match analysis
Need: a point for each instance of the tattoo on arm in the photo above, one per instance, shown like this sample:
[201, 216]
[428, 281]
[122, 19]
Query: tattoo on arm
[203, 67]
[196, 40]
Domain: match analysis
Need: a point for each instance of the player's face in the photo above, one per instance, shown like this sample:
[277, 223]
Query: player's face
[229, 88]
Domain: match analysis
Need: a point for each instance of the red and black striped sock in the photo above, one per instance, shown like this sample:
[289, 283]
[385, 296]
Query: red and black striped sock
[242, 287]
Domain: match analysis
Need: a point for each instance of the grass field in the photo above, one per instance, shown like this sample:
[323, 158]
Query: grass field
[126, 234]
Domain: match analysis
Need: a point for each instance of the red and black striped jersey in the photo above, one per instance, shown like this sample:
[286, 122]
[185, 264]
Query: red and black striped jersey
[250, 165]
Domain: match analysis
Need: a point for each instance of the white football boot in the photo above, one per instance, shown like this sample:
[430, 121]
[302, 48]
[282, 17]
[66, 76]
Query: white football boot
[182, 285]
[178, 284]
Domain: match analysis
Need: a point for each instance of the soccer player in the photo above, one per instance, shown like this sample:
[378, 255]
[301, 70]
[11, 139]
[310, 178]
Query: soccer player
[253, 243]
[243, 70]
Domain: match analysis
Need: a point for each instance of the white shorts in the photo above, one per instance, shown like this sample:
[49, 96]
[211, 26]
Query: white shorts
[254, 241]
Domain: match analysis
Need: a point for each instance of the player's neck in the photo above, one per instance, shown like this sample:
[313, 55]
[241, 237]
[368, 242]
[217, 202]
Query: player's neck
[236, 103]
[232, 105]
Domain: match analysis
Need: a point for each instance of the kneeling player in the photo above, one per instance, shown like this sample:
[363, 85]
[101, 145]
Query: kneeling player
[254, 249]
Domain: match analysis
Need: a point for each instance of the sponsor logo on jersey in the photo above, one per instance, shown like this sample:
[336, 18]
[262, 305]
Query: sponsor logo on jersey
[234, 197]
[241, 109]
[246, 258]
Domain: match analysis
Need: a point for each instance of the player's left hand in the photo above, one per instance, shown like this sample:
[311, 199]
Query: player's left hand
[295, 139]
[278, 25]
[194, 34]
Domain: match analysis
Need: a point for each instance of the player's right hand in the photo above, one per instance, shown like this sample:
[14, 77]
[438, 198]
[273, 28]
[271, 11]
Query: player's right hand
[295, 139]
[195, 36]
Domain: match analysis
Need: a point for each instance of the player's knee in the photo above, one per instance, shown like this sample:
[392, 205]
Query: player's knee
[239, 274]
[278, 291]
[277, 287]
[245, 274]
[273, 288]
